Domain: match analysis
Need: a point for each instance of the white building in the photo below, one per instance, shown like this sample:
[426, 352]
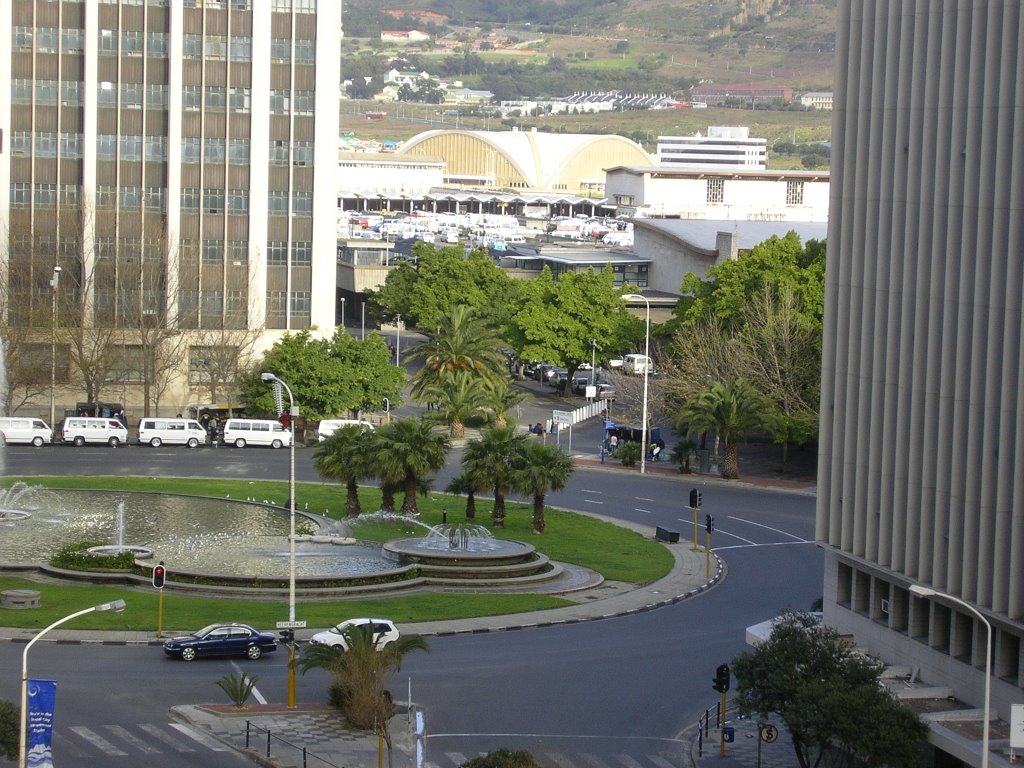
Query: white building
[725, 147]
[817, 100]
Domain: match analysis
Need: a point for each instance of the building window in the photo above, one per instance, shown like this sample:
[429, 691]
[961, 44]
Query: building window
[279, 102]
[21, 194]
[794, 192]
[106, 196]
[278, 153]
[304, 101]
[215, 47]
[71, 145]
[305, 52]
[156, 148]
[131, 198]
[131, 95]
[302, 253]
[281, 49]
[106, 248]
[277, 203]
[239, 99]
[131, 147]
[238, 201]
[71, 93]
[302, 153]
[131, 43]
[716, 189]
[241, 49]
[238, 151]
[47, 92]
[106, 147]
[238, 252]
[211, 303]
[156, 96]
[300, 302]
[154, 200]
[45, 195]
[213, 251]
[216, 98]
[46, 40]
[277, 254]
[106, 95]
[190, 199]
[302, 202]
[277, 305]
[191, 148]
[192, 47]
[191, 98]
[107, 41]
[156, 44]
[127, 364]
[71, 40]
[213, 200]
[21, 91]
[213, 151]
[21, 40]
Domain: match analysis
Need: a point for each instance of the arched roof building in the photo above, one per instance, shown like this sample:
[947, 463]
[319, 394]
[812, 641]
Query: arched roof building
[527, 160]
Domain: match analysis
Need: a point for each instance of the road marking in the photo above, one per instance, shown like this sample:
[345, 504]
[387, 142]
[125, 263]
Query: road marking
[593, 501]
[125, 735]
[594, 760]
[255, 691]
[207, 741]
[660, 761]
[766, 544]
[560, 760]
[97, 741]
[628, 761]
[457, 758]
[726, 533]
[643, 498]
[769, 528]
[159, 735]
[587, 490]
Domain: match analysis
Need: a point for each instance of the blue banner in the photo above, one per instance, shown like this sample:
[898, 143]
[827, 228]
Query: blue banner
[42, 695]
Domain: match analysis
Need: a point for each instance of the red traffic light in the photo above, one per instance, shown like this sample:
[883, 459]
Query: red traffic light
[159, 575]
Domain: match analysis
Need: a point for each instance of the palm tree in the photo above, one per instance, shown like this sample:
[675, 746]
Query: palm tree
[502, 398]
[466, 483]
[538, 469]
[464, 342]
[730, 409]
[345, 457]
[407, 450]
[457, 398]
[492, 456]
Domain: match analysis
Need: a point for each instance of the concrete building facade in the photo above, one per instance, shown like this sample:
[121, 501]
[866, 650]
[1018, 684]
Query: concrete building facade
[921, 478]
[724, 148]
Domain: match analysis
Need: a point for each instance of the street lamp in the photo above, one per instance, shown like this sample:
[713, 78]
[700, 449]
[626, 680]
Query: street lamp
[116, 605]
[342, 311]
[54, 282]
[362, 321]
[647, 368]
[917, 589]
[269, 378]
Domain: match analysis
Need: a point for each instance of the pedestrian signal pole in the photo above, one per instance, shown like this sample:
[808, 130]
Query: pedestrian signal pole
[709, 526]
[695, 499]
[721, 684]
[159, 577]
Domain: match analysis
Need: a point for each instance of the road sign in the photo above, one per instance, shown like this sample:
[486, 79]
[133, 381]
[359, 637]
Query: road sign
[561, 417]
[769, 733]
[291, 625]
[1017, 726]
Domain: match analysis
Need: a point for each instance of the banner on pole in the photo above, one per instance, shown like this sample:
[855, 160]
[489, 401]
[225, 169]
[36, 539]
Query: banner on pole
[42, 695]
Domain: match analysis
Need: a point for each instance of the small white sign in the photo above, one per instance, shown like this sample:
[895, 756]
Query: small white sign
[291, 625]
[591, 392]
[1017, 726]
[561, 417]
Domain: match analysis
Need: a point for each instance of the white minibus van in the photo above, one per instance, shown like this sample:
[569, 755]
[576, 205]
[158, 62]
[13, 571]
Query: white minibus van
[22, 429]
[156, 432]
[86, 429]
[243, 432]
[329, 426]
[637, 364]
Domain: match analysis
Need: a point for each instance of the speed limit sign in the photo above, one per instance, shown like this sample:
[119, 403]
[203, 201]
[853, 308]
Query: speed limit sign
[769, 733]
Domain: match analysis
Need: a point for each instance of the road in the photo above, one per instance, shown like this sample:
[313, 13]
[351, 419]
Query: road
[610, 688]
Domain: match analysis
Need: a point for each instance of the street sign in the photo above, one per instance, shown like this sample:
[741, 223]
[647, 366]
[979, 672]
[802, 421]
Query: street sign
[291, 625]
[769, 733]
[1017, 726]
[561, 417]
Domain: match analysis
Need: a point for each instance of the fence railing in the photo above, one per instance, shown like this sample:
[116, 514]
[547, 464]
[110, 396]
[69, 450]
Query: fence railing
[254, 733]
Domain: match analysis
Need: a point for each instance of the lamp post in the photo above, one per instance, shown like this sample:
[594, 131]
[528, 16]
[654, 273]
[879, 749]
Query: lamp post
[593, 361]
[54, 283]
[647, 369]
[116, 605]
[917, 589]
[269, 378]
[362, 321]
[342, 311]
[398, 339]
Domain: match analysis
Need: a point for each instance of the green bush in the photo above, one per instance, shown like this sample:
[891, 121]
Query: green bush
[75, 557]
[503, 758]
[628, 453]
[238, 687]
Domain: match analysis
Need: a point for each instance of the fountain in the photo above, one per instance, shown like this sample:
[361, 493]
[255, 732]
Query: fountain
[11, 502]
[120, 547]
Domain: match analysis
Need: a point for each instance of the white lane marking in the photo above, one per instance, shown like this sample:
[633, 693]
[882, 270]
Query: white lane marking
[125, 735]
[255, 691]
[767, 544]
[628, 761]
[159, 735]
[457, 758]
[594, 760]
[660, 761]
[587, 490]
[97, 741]
[769, 528]
[735, 536]
[646, 511]
[593, 501]
[643, 498]
[207, 741]
[560, 760]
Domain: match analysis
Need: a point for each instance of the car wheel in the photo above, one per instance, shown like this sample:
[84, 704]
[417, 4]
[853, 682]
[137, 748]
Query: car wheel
[188, 654]
[155, 442]
[239, 443]
[79, 441]
[113, 442]
[37, 442]
[276, 444]
[193, 443]
[254, 652]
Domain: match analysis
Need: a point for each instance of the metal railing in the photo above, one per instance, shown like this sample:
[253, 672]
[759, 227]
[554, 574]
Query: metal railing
[252, 732]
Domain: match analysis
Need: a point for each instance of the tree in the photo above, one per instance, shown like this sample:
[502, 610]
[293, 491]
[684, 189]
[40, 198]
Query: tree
[328, 377]
[731, 410]
[493, 456]
[346, 457]
[501, 398]
[538, 469]
[556, 321]
[407, 450]
[466, 483]
[10, 722]
[457, 398]
[463, 343]
[828, 695]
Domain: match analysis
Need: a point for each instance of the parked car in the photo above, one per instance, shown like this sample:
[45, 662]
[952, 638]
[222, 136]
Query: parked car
[222, 640]
[541, 372]
[580, 382]
[384, 633]
[556, 376]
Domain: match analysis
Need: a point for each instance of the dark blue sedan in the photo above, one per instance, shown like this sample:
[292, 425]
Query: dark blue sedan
[222, 640]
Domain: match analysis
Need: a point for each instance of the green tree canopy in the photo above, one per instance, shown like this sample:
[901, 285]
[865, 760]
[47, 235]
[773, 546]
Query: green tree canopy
[442, 279]
[464, 343]
[729, 409]
[328, 377]
[829, 697]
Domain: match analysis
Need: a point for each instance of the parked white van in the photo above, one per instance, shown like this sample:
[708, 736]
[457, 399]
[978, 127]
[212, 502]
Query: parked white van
[156, 432]
[329, 426]
[20, 429]
[637, 364]
[84, 429]
[243, 432]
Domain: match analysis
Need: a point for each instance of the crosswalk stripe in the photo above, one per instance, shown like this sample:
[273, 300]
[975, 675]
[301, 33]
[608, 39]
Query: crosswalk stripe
[594, 760]
[628, 761]
[202, 738]
[159, 735]
[560, 760]
[660, 761]
[97, 741]
[457, 758]
[125, 735]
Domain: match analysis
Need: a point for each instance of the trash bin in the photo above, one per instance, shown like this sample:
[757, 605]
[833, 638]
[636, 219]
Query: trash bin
[728, 734]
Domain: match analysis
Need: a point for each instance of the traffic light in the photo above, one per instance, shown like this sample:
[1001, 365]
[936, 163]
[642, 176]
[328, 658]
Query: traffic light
[159, 575]
[287, 636]
[709, 523]
[695, 498]
[721, 681]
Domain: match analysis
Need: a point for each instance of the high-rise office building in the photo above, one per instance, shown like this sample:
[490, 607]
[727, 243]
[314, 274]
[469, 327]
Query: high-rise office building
[921, 479]
[176, 158]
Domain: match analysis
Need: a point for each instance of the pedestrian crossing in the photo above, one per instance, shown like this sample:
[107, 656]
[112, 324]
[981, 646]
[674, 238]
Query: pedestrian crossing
[134, 740]
[567, 760]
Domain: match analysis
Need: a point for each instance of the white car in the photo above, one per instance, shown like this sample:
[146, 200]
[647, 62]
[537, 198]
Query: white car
[384, 632]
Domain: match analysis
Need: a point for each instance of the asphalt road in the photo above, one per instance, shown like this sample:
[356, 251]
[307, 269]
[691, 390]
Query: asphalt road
[624, 686]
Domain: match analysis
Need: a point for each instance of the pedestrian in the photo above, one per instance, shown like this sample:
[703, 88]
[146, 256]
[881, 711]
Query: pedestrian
[656, 453]
[613, 443]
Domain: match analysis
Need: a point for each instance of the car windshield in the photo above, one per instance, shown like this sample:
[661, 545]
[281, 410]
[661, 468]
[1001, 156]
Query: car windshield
[346, 626]
[206, 630]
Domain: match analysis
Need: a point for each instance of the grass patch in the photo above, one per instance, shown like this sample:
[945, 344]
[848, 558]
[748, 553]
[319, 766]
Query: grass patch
[617, 553]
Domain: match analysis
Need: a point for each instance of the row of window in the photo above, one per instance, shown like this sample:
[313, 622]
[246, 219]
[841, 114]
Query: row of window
[131, 198]
[131, 95]
[216, 251]
[215, 98]
[299, 6]
[234, 151]
[215, 200]
[47, 144]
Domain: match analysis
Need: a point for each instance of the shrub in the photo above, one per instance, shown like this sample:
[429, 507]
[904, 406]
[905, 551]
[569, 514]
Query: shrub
[75, 557]
[503, 758]
[628, 453]
[238, 687]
